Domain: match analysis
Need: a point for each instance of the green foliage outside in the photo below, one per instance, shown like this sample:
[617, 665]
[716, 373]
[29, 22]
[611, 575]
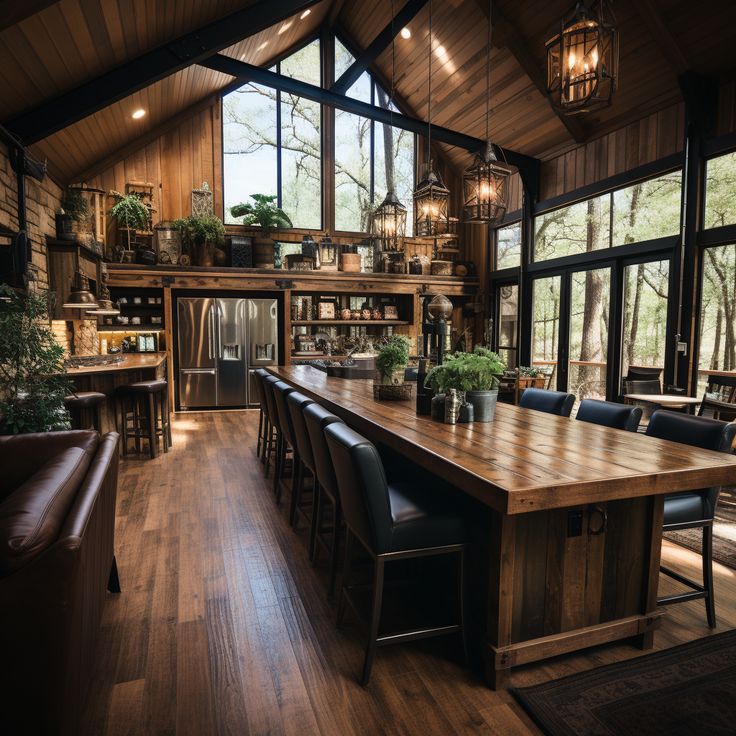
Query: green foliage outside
[393, 355]
[263, 213]
[32, 384]
[476, 371]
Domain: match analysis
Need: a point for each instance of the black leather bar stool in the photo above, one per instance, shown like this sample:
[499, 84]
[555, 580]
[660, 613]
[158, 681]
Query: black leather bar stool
[609, 414]
[693, 509]
[285, 436]
[144, 409]
[85, 408]
[316, 418]
[392, 521]
[303, 458]
[273, 418]
[263, 419]
[550, 402]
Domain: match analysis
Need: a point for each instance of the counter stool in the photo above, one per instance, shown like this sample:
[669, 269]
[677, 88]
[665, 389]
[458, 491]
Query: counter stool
[285, 436]
[296, 403]
[144, 409]
[272, 439]
[85, 408]
[263, 419]
[316, 418]
[391, 521]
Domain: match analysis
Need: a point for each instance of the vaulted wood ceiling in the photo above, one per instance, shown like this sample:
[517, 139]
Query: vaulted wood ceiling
[69, 42]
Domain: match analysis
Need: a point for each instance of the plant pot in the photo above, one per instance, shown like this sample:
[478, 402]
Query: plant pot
[263, 251]
[531, 381]
[484, 404]
[127, 256]
[204, 254]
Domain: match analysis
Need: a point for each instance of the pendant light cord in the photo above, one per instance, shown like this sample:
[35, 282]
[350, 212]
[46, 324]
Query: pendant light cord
[488, 69]
[429, 97]
[393, 67]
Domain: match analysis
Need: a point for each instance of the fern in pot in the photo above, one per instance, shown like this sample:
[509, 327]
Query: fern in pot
[263, 214]
[131, 214]
[476, 374]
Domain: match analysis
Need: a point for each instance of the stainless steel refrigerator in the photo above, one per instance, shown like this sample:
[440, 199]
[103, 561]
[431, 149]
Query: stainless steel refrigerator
[221, 343]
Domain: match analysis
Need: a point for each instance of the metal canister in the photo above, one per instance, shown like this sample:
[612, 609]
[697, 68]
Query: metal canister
[453, 402]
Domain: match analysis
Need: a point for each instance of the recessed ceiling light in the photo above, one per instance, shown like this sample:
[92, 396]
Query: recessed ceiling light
[441, 51]
[405, 32]
[305, 14]
[138, 114]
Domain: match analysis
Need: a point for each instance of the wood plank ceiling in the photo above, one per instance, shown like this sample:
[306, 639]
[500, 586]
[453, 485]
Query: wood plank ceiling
[72, 41]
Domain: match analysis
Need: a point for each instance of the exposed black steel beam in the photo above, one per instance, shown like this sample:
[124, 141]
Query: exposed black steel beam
[377, 45]
[239, 69]
[88, 98]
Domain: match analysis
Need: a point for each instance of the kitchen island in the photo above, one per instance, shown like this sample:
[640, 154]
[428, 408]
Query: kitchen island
[106, 377]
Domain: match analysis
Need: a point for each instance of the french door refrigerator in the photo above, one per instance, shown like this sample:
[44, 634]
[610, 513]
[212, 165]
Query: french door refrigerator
[221, 343]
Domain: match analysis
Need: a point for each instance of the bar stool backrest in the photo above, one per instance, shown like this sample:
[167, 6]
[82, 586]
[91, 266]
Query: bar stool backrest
[260, 374]
[296, 403]
[362, 485]
[281, 390]
[710, 434]
[267, 383]
[551, 402]
[316, 418]
[609, 414]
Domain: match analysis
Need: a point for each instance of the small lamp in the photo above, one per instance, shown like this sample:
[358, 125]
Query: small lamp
[80, 297]
[389, 222]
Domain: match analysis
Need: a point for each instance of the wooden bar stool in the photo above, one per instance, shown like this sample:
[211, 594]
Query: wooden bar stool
[85, 408]
[144, 411]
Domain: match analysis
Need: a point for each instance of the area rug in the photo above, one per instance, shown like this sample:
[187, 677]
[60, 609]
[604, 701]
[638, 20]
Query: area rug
[724, 531]
[688, 689]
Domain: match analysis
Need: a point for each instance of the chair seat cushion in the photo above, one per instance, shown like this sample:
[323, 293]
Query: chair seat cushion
[681, 508]
[32, 515]
[421, 518]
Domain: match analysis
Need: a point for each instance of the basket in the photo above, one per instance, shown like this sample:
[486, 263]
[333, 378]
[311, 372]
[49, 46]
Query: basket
[393, 392]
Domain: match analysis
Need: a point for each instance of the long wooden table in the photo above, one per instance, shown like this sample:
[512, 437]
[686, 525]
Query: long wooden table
[571, 538]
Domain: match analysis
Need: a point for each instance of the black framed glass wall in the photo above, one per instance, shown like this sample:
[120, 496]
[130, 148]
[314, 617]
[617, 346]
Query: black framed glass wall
[596, 287]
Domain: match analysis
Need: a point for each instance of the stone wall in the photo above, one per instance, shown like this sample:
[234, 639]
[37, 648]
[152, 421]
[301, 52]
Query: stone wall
[43, 200]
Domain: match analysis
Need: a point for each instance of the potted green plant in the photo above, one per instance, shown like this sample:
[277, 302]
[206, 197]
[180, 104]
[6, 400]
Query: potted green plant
[530, 376]
[392, 359]
[131, 214]
[266, 216]
[200, 236]
[32, 381]
[74, 209]
[476, 374]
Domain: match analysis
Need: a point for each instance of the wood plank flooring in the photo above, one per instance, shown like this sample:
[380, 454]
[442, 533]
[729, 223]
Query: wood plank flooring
[224, 627]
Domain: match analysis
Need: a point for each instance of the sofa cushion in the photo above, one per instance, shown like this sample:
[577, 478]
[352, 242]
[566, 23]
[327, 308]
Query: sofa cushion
[21, 455]
[31, 516]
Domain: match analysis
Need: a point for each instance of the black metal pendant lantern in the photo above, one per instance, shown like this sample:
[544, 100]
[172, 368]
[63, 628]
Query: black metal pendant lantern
[389, 222]
[485, 181]
[582, 59]
[431, 196]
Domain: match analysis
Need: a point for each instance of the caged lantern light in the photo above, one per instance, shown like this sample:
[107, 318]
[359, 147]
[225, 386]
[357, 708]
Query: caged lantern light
[389, 222]
[485, 181]
[582, 59]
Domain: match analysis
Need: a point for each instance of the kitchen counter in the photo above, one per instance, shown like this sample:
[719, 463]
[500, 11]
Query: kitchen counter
[130, 362]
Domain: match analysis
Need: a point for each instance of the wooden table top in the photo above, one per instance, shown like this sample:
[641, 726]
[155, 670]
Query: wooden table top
[523, 460]
[663, 399]
[130, 362]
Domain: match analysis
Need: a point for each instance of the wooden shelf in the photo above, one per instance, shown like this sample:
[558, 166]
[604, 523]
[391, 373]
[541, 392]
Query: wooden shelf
[349, 322]
[130, 328]
[320, 356]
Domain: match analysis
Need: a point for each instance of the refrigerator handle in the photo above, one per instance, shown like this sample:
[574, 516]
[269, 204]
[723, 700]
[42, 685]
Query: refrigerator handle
[211, 343]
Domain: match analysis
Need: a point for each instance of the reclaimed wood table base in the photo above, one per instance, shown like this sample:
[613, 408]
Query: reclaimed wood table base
[567, 520]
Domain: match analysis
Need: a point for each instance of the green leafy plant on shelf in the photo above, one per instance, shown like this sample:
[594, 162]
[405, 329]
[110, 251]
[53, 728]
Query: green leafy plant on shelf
[200, 235]
[263, 213]
[130, 212]
[392, 358]
[32, 381]
[530, 371]
[476, 371]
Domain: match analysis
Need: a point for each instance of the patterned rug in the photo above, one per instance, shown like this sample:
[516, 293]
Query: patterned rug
[686, 690]
[724, 531]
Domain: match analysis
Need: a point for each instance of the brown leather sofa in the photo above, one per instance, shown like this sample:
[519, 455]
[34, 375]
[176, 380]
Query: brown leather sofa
[57, 526]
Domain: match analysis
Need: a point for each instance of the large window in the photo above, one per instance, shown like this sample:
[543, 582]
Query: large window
[720, 191]
[643, 211]
[370, 158]
[508, 246]
[272, 143]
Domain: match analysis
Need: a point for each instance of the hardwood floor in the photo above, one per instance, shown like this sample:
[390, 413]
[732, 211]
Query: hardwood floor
[224, 627]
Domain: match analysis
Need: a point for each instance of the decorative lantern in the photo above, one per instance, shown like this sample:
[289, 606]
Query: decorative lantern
[328, 253]
[389, 222]
[431, 201]
[431, 196]
[582, 59]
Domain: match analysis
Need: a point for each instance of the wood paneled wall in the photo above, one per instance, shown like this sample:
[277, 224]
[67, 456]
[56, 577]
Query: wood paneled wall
[727, 108]
[654, 136]
[177, 161]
